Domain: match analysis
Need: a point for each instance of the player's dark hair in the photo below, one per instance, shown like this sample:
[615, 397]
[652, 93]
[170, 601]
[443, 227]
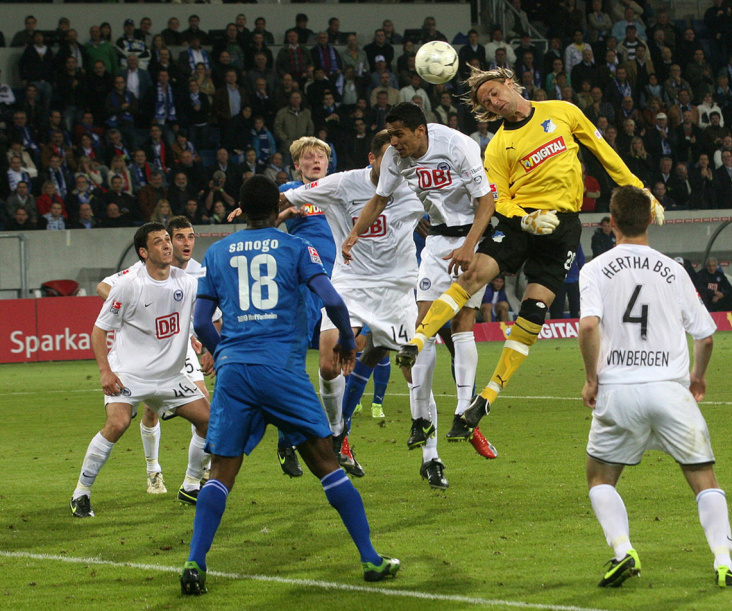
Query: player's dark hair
[630, 208]
[141, 234]
[379, 141]
[409, 114]
[259, 197]
[178, 222]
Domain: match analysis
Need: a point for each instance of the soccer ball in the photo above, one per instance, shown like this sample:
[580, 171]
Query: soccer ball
[436, 62]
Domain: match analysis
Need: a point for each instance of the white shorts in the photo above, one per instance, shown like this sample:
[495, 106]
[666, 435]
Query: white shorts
[433, 277]
[630, 419]
[390, 313]
[192, 367]
[164, 397]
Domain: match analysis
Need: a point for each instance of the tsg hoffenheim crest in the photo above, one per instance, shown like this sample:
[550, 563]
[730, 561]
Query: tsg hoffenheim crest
[549, 126]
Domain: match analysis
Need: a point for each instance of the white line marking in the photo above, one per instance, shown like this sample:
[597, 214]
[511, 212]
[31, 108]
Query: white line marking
[391, 394]
[326, 585]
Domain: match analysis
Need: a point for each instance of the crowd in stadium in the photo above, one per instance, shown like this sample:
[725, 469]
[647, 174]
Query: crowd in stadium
[132, 122]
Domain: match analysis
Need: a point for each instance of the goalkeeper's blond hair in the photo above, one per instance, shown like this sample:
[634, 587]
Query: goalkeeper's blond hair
[477, 79]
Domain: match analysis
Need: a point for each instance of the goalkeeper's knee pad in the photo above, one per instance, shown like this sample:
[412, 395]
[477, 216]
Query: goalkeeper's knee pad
[533, 310]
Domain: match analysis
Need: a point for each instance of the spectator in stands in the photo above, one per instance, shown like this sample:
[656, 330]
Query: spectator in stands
[629, 18]
[260, 27]
[58, 175]
[249, 163]
[445, 108]
[414, 88]
[23, 199]
[157, 151]
[501, 60]
[119, 198]
[639, 161]
[162, 212]
[229, 99]
[660, 140]
[305, 36]
[86, 219]
[194, 29]
[472, 50]
[121, 110]
[70, 47]
[100, 83]
[599, 24]
[71, 91]
[261, 69]
[276, 164]
[20, 222]
[116, 147]
[706, 108]
[293, 58]
[23, 38]
[699, 74]
[355, 57]
[242, 31]
[703, 185]
[663, 173]
[392, 37]
[217, 194]
[714, 287]
[57, 146]
[628, 48]
[37, 67]
[618, 89]
[98, 49]
[26, 134]
[495, 306]
[171, 35]
[256, 46]
[140, 171]
[324, 55]
[674, 85]
[723, 179]
[714, 137]
[115, 218]
[182, 144]
[573, 52]
[586, 70]
[497, 42]
[129, 43]
[180, 193]
[430, 31]
[162, 107]
[591, 191]
[193, 212]
[83, 193]
[192, 169]
[48, 198]
[137, 80]
[106, 31]
[229, 43]
[195, 108]
[377, 116]
[553, 53]
[90, 169]
[149, 195]
[118, 167]
[32, 107]
[195, 55]
[603, 239]
[393, 95]
[379, 47]
[165, 63]
[675, 112]
[232, 175]
[689, 139]
[639, 68]
[291, 123]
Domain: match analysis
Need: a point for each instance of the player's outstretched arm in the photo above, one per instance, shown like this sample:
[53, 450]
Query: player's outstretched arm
[111, 384]
[589, 342]
[371, 211]
[203, 325]
[702, 354]
[345, 350]
[460, 258]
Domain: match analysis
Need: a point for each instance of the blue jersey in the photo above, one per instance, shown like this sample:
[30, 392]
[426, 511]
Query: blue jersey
[256, 276]
[314, 228]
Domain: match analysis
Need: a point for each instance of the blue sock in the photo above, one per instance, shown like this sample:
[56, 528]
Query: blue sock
[382, 373]
[209, 509]
[282, 440]
[358, 356]
[342, 495]
[354, 390]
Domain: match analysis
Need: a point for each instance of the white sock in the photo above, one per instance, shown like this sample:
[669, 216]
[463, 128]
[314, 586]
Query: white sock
[429, 449]
[151, 446]
[96, 456]
[331, 394]
[466, 362]
[613, 517]
[714, 519]
[421, 388]
[196, 458]
[206, 457]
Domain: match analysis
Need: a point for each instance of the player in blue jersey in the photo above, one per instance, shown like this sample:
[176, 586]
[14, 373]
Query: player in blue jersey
[254, 276]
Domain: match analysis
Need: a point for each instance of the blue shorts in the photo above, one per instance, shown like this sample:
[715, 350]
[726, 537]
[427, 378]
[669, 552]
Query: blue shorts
[247, 398]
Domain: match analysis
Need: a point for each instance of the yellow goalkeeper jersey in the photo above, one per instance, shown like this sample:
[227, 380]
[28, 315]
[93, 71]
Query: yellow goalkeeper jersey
[533, 163]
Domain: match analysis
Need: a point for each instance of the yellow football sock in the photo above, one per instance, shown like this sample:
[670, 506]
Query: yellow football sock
[442, 309]
[523, 335]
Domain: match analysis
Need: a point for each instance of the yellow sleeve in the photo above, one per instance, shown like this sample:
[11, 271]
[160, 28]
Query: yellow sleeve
[498, 174]
[587, 134]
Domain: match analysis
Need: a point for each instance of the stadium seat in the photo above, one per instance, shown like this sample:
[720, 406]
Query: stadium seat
[60, 288]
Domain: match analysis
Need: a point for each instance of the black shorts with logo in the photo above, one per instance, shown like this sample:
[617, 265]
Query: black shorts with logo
[547, 257]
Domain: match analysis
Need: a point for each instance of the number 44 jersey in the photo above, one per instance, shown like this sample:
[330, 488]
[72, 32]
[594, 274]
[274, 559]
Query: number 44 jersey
[645, 302]
[255, 275]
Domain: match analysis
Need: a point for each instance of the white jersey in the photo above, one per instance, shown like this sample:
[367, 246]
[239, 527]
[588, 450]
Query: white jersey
[193, 269]
[447, 178]
[645, 301]
[385, 255]
[151, 319]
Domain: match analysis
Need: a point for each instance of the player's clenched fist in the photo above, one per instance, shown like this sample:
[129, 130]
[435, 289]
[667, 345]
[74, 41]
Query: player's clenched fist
[541, 222]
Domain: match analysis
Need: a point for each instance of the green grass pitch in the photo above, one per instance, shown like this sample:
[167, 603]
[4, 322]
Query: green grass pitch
[516, 532]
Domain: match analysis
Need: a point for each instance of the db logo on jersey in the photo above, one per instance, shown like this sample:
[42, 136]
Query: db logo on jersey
[167, 326]
[314, 256]
[494, 190]
[434, 178]
[534, 159]
[116, 305]
[377, 229]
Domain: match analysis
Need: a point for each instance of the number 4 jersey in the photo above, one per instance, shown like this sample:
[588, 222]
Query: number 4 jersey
[645, 302]
[255, 275]
[152, 321]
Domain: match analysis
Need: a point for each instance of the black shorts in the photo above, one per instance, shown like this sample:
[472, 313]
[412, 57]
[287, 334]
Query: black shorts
[547, 257]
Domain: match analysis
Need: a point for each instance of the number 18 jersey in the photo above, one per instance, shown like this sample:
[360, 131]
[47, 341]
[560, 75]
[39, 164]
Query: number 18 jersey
[255, 275]
[645, 302]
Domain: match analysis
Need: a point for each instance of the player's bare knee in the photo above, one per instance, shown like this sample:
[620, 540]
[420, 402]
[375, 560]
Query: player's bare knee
[464, 321]
[319, 456]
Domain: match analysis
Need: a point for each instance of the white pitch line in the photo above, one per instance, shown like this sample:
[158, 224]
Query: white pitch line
[325, 585]
[392, 394]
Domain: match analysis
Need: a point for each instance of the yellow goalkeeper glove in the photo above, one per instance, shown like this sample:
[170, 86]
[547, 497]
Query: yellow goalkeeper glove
[540, 222]
[656, 208]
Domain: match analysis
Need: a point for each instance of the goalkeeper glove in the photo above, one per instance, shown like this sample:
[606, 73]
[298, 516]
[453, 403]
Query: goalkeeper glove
[656, 208]
[540, 222]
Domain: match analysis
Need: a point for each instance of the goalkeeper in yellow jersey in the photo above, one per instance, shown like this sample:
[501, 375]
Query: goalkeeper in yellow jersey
[536, 177]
